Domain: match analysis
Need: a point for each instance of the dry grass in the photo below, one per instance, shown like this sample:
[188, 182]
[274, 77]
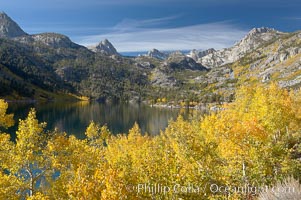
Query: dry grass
[290, 189]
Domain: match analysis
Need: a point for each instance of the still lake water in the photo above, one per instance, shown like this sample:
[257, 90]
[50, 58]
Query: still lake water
[74, 117]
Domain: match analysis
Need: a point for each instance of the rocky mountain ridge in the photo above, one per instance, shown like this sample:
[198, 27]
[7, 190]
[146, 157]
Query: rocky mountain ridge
[9, 28]
[255, 38]
[53, 40]
[105, 47]
[155, 53]
[48, 65]
[197, 54]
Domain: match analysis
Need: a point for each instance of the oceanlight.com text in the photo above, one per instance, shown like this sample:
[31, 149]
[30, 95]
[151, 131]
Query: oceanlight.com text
[153, 189]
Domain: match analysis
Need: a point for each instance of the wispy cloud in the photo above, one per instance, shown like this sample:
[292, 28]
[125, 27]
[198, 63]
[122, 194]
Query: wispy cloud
[65, 29]
[201, 36]
[132, 24]
[292, 18]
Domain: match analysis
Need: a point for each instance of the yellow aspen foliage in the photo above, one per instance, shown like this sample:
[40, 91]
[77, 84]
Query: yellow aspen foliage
[83, 185]
[6, 151]
[30, 138]
[80, 163]
[164, 100]
[123, 155]
[253, 141]
[92, 131]
[6, 120]
[97, 135]
[24, 161]
[30, 163]
[194, 157]
[251, 132]
[9, 186]
[38, 196]
[296, 97]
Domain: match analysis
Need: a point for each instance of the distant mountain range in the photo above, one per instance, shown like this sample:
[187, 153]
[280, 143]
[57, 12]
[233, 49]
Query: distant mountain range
[50, 66]
[141, 53]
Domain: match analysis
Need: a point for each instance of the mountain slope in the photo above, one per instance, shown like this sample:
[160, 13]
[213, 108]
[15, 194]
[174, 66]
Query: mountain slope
[49, 65]
[276, 60]
[255, 38]
[9, 28]
[22, 67]
[53, 64]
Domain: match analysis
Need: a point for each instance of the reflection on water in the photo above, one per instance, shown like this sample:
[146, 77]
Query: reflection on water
[73, 118]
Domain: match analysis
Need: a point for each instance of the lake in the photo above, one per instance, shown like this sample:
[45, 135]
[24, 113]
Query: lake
[74, 117]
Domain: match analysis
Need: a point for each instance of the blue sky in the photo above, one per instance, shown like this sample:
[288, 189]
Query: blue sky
[138, 25]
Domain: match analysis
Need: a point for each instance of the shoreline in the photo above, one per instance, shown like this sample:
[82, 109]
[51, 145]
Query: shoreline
[197, 107]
